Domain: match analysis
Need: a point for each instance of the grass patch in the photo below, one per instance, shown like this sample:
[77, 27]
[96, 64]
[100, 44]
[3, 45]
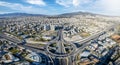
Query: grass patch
[53, 45]
[14, 50]
[84, 34]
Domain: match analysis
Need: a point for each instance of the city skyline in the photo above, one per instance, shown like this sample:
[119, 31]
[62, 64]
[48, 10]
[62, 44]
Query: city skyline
[87, 32]
[54, 7]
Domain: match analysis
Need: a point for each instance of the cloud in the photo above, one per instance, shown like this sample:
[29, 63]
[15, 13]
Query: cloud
[111, 7]
[65, 3]
[108, 7]
[76, 2]
[36, 2]
[68, 3]
[21, 8]
[14, 6]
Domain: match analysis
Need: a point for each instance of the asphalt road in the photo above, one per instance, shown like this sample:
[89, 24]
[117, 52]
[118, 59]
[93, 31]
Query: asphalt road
[34, 49]
[9, 38]
[60, 43]
[62, 62]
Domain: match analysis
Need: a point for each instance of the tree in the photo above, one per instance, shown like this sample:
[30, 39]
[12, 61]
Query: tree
[1, 42]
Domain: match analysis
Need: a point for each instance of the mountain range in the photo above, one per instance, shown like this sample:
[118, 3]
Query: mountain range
[61, 15]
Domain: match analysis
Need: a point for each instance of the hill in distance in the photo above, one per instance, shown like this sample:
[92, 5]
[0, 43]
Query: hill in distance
[42, 15]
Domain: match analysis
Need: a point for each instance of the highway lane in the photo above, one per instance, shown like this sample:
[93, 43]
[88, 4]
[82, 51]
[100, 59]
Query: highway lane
[61, 49]
[79, 50]
[18, 42]
[60, 44]
[39, 51]
[85, 41]
[34, 49]
[62, 61]
[9, 38]
[95, 35]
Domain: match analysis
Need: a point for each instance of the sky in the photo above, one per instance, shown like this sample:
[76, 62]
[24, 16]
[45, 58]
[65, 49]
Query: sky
[54, 7]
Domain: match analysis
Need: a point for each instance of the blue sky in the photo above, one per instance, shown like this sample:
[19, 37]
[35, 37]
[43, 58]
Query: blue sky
[53, 7]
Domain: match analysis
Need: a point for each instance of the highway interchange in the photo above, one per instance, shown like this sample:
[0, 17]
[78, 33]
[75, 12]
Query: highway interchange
[65, 59]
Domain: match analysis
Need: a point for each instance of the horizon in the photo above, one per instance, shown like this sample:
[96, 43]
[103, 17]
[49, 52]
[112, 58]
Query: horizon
[56, 14]
[57, 7]
[49, 14]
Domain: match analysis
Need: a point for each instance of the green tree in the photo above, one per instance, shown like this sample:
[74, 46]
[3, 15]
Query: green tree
[1, 42]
